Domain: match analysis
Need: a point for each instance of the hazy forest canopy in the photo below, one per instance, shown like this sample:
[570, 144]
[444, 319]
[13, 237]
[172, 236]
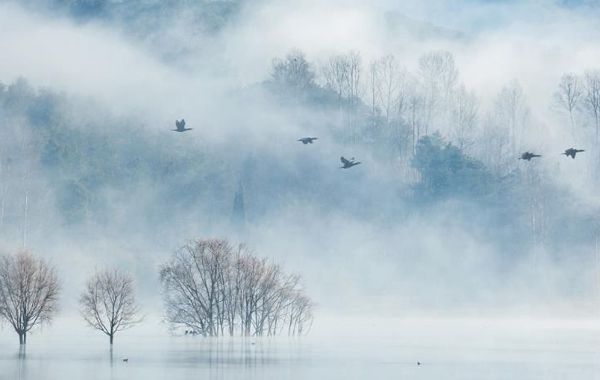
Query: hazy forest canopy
[441, 214]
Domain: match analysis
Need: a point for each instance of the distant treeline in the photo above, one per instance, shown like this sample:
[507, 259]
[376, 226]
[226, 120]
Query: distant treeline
[431, 142]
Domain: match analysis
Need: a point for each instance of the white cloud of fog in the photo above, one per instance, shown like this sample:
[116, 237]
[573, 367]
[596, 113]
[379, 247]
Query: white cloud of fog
[533, 43]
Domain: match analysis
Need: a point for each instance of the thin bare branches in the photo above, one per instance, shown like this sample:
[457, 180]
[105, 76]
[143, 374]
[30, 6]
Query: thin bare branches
[214, 289]
[28, 292]
[108, 303]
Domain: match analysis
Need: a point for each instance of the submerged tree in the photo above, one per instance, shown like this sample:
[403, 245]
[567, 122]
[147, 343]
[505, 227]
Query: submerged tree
[28, 292]
[213, 289]
[108, 303]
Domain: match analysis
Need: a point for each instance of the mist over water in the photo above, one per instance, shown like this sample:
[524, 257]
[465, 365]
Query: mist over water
[441, 247]
[455, 349]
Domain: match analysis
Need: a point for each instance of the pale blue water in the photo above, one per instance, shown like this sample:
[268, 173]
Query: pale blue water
[447, 351]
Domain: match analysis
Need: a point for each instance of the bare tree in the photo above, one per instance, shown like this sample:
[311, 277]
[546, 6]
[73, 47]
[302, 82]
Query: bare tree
[592, 98]
[438, 76]
[494, 147]
[335, 73]
[193, 282]
[293, 72]
[108, 303]
[568, 95]
[28, 292]
[464, 117]
[354, 76]
[374, 88]
[414, 111]
[342, 75]
[300, 319]
[512, 113]
[387, 82]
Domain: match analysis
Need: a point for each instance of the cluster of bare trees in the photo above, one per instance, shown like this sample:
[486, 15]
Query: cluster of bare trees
[209, 287]
[405, 106]
[342, 74]
[215, 289]
[579, 97]
[29, 290]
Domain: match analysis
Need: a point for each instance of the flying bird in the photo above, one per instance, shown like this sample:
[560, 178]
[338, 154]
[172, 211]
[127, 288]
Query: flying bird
[307, 140]
[126, 360]
[180, 124]
[346, 164]
[572, 152]
[528, 156]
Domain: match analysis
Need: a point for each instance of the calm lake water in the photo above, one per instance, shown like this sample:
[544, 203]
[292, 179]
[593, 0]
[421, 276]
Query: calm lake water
[369, 350]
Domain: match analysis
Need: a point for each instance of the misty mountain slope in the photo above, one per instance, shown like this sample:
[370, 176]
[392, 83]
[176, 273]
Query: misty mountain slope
[103, 176]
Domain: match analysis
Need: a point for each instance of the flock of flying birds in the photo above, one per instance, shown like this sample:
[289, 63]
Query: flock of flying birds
[571, 152]
[346, 163]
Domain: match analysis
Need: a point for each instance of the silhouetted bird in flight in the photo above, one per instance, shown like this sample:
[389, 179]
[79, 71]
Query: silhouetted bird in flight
[528, 156]
[126, 360]
[308, 140]
[572, 152]
[346, 164]
[181, 126]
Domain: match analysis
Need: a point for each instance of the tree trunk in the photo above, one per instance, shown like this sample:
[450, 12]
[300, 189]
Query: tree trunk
[111, 336]
[22, 337]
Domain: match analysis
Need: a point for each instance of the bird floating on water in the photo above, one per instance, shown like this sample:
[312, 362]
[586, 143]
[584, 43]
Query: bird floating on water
[528, 156]
[572, 152]
[180, 124]
[346, 164]
[307, 140]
